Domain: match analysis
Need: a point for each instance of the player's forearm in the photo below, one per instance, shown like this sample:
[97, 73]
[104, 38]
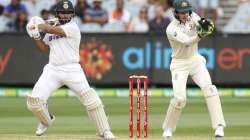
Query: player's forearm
[184, 39]
[192, 40]
[7, 14]
[42, 46]
[51, 29]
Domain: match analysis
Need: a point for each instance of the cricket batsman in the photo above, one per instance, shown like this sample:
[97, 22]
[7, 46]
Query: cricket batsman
[62, 40]
[184, 33]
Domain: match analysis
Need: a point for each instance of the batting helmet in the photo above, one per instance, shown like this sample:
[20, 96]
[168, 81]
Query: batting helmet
[64, 7]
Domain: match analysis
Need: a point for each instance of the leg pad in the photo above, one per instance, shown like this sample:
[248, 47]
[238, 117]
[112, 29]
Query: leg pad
[39, 108]
[173, 114]
[95, 109]
[214, 106]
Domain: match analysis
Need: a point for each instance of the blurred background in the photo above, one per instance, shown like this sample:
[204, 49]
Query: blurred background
[122, 38]
[126, 16]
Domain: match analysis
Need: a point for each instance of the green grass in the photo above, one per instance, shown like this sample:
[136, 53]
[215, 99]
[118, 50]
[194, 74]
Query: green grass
[16, 122]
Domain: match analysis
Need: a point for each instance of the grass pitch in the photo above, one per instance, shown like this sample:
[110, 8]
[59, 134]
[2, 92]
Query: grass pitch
[72, 123]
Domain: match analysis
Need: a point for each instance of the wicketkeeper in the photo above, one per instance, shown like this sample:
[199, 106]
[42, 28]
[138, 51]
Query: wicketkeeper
[62, 40]
[184, 33]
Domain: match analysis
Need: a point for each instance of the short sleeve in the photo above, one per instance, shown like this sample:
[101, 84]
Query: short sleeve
[71, 30]
[7, 9]
[23, 8]
[105, 13]
[88, 12]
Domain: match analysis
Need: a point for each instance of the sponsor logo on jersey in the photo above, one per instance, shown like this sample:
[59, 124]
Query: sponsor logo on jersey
[54, 37]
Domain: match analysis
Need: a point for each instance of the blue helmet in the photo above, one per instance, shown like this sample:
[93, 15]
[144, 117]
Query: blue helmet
[64, 7]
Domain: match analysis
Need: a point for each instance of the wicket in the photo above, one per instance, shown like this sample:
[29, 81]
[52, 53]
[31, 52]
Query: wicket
[138, 79]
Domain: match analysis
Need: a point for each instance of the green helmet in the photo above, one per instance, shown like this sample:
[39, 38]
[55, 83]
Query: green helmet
[182, 6]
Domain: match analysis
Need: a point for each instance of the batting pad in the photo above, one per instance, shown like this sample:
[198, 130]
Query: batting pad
[39, 109]
[95, 110]
[173, 114]
[214, 106]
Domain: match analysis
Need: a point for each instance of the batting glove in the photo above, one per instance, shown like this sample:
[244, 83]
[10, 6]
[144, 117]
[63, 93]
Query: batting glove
[33, 31]
[32, 27]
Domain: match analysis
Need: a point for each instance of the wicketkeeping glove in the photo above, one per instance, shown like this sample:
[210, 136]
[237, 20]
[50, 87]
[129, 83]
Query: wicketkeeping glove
[205, 27]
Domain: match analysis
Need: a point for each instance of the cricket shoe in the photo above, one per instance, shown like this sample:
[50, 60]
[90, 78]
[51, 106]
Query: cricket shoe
[108, 135]
[167, 133]
[41, 129]
[219, 132]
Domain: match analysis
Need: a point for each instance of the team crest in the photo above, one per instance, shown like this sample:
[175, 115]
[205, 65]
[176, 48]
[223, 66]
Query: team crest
[65, 5]
[184, 4]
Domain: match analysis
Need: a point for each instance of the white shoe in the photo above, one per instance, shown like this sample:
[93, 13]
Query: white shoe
[219, 132]
[41, 129]
[167, 133]
[108, 135]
